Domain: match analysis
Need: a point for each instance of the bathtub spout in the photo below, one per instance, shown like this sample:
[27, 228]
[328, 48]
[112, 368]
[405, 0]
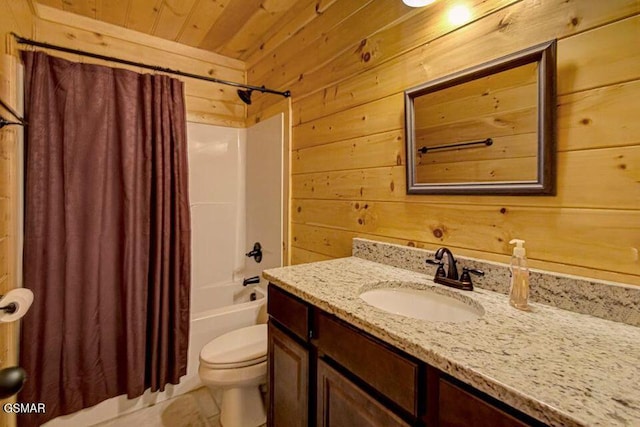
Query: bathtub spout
[251, 281]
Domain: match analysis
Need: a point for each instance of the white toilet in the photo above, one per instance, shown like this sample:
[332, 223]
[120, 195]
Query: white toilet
[236, 362]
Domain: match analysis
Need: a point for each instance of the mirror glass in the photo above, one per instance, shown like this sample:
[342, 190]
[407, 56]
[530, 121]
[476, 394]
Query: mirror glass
[488, 129]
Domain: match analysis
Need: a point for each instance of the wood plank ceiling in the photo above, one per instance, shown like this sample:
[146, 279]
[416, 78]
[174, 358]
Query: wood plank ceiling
[234, 28]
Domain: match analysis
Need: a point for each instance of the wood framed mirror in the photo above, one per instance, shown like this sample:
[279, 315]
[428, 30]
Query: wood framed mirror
[489, 129]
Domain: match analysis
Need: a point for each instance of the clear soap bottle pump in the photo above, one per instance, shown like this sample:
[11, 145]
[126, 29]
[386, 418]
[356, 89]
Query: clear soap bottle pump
[519, 294]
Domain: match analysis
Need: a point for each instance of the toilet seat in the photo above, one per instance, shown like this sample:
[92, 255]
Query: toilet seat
[233, 365]
[236, 349]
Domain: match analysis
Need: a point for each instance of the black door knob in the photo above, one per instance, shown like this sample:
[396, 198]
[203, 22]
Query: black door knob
[11, 381]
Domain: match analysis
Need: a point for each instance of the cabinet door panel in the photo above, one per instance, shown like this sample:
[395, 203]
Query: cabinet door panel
[458, 408]
[341, 403]
[288, 380]
[384, 369]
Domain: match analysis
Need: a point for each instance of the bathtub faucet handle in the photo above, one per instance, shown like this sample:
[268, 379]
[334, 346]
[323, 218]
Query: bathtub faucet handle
[256, 253]
[251, 281]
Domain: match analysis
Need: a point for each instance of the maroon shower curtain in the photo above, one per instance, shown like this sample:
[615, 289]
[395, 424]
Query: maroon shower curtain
[106, 235]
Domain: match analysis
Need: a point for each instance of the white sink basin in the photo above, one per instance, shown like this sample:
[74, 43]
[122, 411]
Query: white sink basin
[423, 304]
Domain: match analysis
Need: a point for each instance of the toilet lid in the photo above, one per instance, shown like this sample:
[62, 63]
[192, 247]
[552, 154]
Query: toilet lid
[242, 345]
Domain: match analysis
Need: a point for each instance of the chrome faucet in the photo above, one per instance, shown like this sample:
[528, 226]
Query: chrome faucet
[451, 278]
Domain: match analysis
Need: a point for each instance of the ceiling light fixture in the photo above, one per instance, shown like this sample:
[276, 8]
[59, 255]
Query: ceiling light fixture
[459, 15]
[417, 3]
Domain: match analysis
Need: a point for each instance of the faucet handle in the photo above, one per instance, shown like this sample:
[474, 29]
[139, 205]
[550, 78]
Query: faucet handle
[440, 271]
[466, 278]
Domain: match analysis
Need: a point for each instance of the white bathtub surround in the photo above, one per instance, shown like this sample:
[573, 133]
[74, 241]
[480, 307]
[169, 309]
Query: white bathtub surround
[236, 190]
[264, 193]
[599, 298]
[216, 191]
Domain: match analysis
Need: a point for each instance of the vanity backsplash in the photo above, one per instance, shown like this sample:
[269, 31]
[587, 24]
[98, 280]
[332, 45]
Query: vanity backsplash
[603, 299]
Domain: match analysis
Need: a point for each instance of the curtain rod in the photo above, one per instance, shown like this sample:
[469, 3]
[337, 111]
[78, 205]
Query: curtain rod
[262, 89]
[4, 122]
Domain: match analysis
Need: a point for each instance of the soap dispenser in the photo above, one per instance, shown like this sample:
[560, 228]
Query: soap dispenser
[519, 294]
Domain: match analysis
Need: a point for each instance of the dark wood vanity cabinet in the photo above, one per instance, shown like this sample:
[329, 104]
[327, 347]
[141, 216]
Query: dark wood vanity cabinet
[324, 372]
[288, 380]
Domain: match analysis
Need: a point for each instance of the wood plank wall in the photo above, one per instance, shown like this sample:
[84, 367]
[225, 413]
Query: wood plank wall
[9, 211]
[347, 69]
[206, 102]
[15, 17]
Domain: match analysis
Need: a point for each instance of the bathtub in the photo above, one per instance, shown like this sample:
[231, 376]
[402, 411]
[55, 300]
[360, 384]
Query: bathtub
[216, 299]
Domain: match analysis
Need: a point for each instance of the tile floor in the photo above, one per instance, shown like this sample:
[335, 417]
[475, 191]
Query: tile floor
[194, 409]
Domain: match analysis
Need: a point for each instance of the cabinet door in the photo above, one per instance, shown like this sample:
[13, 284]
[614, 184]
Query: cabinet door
[389, 373]
[341, 403]
[288, 380]
[459, 408]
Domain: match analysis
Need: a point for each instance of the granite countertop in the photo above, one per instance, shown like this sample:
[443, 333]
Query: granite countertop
[561, 367]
